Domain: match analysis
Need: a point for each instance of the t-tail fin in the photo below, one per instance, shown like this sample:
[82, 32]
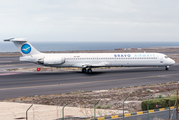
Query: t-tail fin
[24, 46]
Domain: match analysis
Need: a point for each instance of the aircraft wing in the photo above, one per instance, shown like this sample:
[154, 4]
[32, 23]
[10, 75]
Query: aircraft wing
[92, 65]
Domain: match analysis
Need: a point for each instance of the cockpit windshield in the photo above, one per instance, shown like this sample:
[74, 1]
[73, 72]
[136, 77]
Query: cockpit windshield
[166, 57]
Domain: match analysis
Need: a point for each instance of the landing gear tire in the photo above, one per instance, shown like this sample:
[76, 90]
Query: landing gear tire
[167, 68]
[83, 70]
[89, 71]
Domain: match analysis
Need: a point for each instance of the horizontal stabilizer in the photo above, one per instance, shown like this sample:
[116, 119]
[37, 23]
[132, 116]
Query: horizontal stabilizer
[16, 39]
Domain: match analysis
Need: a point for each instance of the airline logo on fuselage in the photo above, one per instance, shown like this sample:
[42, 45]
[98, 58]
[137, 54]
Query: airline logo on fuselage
[144, 55]
[122, 55]
[135, 55]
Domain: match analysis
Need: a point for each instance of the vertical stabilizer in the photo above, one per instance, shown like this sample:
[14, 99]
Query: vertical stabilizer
[24, 46]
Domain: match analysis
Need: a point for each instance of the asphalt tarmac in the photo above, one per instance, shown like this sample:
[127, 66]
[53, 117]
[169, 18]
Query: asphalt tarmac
[14, 63]
[18, 84]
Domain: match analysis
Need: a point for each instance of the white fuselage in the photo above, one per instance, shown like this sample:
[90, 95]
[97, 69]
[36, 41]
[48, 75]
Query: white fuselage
[92, 60]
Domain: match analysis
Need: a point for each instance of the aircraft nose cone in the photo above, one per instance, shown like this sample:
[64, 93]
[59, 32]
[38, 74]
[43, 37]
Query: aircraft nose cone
[172, 62]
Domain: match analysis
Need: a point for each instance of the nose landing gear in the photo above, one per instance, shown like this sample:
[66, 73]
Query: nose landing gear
[167, 68]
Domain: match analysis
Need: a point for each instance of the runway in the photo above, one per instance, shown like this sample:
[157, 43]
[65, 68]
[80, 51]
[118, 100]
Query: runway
[18, 84]
[14, 63]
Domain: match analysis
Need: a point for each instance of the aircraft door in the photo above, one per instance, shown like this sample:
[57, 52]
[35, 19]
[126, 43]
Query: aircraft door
[161, 60]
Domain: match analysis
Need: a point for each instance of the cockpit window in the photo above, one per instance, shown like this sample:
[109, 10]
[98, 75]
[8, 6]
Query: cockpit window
[166, 57]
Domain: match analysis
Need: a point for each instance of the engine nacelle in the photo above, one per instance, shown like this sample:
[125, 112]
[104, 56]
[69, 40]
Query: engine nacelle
[52, 61]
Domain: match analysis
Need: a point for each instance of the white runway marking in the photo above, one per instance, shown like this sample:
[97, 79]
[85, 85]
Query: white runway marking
[5, 61]
[3, 74]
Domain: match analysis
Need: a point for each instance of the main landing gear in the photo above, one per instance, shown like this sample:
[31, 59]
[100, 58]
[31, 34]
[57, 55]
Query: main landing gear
[89, 71]
[86, 71]
[167, 68]
[83, 70]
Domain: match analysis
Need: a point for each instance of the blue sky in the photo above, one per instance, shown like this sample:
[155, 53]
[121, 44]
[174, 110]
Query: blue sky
[90, 20]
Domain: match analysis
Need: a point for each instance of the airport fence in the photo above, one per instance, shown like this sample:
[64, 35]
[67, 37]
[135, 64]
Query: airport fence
[43, 112]
[98, 112]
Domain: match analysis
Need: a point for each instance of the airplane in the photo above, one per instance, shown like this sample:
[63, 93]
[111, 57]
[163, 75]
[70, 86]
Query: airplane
[87, 61]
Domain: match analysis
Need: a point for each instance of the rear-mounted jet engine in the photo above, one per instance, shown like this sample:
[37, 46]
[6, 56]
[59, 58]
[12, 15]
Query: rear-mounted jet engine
[51, 61]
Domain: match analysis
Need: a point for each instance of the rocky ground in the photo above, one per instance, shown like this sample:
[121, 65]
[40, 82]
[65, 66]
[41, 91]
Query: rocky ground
[175, 57]
[110, 99]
